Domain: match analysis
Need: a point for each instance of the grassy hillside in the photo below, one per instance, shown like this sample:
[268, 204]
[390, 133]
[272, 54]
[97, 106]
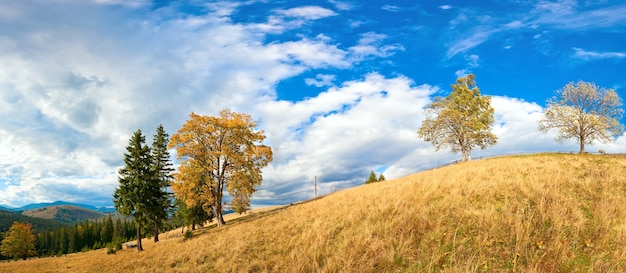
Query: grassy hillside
[64, 213]
[540, 213]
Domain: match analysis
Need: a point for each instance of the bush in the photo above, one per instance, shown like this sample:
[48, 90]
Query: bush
[111, 250]
[188, 234]
[602, 151]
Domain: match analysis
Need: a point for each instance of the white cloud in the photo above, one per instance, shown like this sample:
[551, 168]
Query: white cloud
[341, 5]
[308, 12]
[445, 7]
[343, 132]
[472, 63]
[285, 19]
[321, 80]
[472, 40]
[567, 14]
[391, 8]
[370, 44]
[580, 53]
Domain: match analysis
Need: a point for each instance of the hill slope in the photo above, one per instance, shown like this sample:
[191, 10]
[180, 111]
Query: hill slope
[8, 217]
[539, 213]
[64, 213]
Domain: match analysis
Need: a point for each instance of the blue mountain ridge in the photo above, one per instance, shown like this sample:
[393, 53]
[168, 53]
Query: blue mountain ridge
[56, 203]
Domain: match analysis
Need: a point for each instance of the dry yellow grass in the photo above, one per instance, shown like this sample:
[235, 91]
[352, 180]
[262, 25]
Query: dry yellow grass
[539, 213]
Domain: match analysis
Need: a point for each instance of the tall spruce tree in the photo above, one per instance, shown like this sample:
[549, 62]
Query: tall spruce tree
[136, 189]
[162, 168]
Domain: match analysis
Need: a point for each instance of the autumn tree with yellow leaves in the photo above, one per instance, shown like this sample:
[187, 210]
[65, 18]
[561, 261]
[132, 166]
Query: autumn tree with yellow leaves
[585, 112]
[216, 155]
[19, 241]
[462, 121]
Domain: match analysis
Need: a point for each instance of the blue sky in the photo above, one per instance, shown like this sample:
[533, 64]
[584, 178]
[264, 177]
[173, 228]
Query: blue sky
[338, 86]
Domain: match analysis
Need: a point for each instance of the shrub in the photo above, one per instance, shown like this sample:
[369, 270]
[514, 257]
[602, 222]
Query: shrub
[188, 234]
[601, 151]
[111, 250]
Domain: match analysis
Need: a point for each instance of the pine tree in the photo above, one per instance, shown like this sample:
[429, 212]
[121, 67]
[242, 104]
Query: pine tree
[106, 233]
[381, 177]
[135, 187]
[162, 168]
[372, 178]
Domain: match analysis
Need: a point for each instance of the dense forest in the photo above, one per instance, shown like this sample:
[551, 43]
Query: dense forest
[84, 236]
[54, 237]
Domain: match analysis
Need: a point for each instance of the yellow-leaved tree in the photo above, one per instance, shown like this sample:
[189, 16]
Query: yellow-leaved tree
[19, 242]
[585, 112]
[218, 154]
[461, 121]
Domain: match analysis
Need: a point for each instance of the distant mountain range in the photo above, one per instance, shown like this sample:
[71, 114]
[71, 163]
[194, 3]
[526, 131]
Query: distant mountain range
[56, 203]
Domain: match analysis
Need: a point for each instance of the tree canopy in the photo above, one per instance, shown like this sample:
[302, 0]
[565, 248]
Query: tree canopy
[462, 121]
[19, 241]
[585, 112]
[217, 154]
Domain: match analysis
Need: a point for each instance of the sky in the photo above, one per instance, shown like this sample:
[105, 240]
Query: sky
[338, 86]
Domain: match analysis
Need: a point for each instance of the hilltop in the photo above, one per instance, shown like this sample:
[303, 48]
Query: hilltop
[536, 213]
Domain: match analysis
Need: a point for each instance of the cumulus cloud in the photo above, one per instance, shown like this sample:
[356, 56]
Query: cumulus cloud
[343, 132]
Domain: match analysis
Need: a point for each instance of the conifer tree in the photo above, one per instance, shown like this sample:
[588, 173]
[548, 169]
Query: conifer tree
[381, 177]
[106, 234]
[162, 168]
[372, 178]
[135, 187]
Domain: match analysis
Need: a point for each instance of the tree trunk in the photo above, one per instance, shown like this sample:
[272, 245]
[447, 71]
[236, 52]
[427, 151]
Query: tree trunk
[156, 233]
[219, 218]
[581, 140]
[139, 247]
